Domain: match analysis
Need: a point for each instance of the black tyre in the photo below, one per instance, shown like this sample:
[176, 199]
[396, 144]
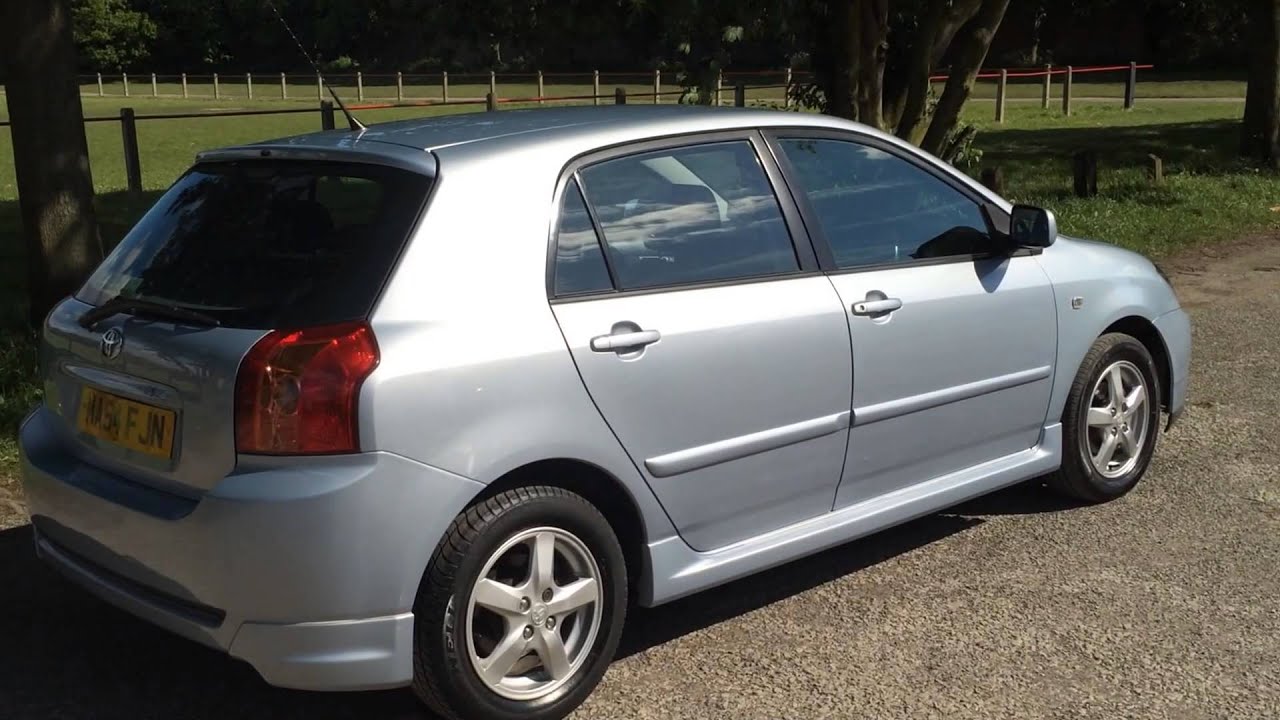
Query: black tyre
[520, 611]
[1111, 421]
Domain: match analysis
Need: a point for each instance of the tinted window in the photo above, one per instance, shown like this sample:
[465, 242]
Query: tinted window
[267, 244]
[878, 208]
[689, 215]
[580, 265]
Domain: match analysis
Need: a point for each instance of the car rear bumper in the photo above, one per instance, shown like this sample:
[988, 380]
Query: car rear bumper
[308, 571]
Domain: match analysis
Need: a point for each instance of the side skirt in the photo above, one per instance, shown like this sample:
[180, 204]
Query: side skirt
[678, 570]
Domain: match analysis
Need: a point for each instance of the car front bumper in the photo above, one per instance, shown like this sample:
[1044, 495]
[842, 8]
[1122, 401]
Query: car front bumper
[1175, 329]
[305, 569]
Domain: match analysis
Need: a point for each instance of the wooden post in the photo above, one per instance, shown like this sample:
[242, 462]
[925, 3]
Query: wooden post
[740, 94]
[326, 115]
[993, 179]
[284, 87]
[493, 83]
[541, 91]
[124, 78]
[1131, 87]
[132, 162]
[657, 85]
[786, 90]
[101, 92]
[444, 86]
[491, 102]
[216, 92]
[1001, 90]
[1155, 170]
[155, 87]
[248, 85]
[320, 87]
[1086, 174]
[1066, 93]
[1047, 89]
[399, 86]
[620, 96]
[359, 86]
[595, 87]
[719, 85]
[185, 91]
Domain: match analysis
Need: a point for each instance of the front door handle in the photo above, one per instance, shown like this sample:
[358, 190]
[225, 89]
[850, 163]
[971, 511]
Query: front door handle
[627, 341]
[876, 307]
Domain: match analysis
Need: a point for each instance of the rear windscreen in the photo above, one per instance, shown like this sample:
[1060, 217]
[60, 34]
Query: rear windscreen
[267, 244]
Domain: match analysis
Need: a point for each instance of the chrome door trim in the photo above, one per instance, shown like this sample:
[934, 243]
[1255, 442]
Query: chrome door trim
[723, 451]
[924, 401]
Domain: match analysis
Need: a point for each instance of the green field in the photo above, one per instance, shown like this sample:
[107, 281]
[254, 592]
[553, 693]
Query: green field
[1209, 195]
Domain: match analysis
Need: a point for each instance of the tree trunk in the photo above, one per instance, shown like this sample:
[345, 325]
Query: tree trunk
[975, 39]
[1260, 134]
[941, 21]
[872, 42]
[839, 75]
[51, 155]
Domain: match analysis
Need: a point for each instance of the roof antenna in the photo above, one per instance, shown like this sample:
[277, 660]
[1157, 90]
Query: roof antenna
[356, 125]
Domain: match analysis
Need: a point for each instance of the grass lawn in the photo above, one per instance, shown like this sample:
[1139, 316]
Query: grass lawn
[1209, 195]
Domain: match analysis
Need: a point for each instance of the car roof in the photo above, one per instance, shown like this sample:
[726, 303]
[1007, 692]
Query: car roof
[412, 143]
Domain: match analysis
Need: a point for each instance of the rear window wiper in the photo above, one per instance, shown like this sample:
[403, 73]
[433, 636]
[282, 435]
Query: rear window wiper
[119, 304]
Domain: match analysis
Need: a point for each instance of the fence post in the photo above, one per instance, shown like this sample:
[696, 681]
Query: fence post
[124, 79]
[1131, 87]
[786, 91]
[216, 92]
[620, 96]
[719, 85]
[184, 86]
[493, 83]
[155, 88]
[657, 85]
[444, 86]
[399, 86]
[1047, 89]
[1001, 90]
[248, 85]
[1066, 93]
[540, 88]
[284, 87]
[1086, 174]
[740, 94]
[595, 86]
[101, 93]
[359, 86]
[326, 115]
[491, 102]
[320, 87]
[132, 163]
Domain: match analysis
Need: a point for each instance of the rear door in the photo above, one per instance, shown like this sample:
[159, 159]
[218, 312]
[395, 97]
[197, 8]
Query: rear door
[242, 247]
[713, 347]
[954, 336]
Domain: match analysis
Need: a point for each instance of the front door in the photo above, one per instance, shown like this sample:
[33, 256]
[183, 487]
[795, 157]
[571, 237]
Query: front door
[953, 336]
[712, 347]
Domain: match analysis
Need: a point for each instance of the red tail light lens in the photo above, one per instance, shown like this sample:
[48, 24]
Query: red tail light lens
[297, 390]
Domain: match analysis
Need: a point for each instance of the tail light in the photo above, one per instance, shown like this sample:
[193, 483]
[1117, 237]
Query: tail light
[297, 390]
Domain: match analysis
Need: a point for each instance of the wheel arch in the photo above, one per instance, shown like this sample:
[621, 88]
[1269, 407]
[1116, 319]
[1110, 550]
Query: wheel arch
[1145, 332]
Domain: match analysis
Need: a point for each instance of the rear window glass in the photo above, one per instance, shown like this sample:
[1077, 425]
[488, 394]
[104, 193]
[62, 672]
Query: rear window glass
[266, 244]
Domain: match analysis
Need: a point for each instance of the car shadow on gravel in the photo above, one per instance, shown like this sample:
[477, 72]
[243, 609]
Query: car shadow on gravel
[64, 653]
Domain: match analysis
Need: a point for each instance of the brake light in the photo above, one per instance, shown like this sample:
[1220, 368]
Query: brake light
[297, 390]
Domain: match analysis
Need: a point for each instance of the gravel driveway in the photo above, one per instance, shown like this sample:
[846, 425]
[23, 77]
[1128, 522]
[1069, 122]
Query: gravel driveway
[1163, 604]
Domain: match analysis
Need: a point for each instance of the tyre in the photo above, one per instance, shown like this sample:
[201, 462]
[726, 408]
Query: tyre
[521, 609]
[1111, 421]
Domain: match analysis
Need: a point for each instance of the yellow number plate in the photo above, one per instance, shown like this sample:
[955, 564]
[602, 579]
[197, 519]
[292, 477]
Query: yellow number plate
[130, 424]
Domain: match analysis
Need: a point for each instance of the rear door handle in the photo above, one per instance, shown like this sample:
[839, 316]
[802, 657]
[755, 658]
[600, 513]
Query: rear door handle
[876, 307]
[625, 341]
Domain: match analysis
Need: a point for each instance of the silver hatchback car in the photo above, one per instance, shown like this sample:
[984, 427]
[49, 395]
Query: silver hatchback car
[432, 403]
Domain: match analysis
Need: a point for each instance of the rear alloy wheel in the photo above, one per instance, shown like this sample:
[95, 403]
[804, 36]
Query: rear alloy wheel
[521, 609]
[1111, 421]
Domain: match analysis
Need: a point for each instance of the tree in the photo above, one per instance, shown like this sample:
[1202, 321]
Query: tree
[109, 35]
[1260, 135]
[51, 155]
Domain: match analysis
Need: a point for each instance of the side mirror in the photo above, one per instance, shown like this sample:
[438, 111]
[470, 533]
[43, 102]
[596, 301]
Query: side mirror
[1032, 227]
